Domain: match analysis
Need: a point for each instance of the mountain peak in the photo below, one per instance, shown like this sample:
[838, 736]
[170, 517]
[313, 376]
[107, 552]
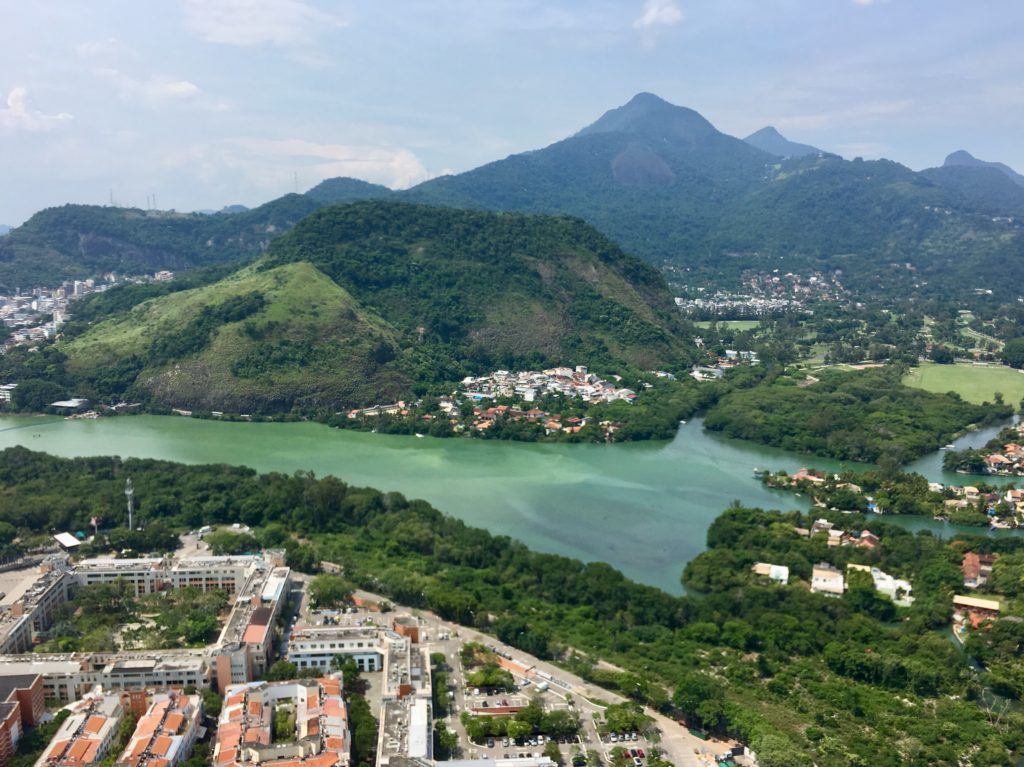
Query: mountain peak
[963, 157]
[769, 140]
[652, 116]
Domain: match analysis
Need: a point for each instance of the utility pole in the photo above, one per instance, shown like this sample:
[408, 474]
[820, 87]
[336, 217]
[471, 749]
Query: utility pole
[129, 492]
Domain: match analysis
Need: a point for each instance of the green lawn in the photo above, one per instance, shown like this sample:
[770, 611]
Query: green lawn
[733, 324]
[975, 383]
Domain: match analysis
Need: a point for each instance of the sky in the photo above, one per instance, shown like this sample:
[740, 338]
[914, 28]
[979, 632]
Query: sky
[193, 104]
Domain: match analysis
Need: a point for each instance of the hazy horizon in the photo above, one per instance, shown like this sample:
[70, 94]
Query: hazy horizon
[206, 103]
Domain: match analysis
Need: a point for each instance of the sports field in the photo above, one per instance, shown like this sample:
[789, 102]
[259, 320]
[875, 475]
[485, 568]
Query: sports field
[975, 383]
[733, 324]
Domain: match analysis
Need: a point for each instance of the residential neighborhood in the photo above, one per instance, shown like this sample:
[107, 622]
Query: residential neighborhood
[38, 314]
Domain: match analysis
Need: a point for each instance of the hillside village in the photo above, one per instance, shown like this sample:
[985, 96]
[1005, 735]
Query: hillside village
[560, 397]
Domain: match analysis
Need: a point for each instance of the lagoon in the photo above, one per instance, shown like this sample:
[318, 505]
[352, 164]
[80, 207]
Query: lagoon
[642, 507]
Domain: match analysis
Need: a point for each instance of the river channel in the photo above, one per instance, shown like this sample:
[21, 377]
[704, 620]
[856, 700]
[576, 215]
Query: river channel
[642, 507]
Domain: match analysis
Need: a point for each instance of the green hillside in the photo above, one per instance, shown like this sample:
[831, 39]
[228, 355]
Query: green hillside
[80, 241]
[374, 301]
[258, 341]
[476, 290]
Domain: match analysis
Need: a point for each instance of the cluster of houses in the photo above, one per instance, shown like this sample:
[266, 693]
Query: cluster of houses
[864, 539]
[1008, 461]
[830, 581]
[713, 370]
[553, 423]
[529, 385]
[485, 418]
[969, 496]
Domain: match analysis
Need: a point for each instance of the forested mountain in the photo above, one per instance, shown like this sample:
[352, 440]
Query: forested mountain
[771, 141]
[704, 206]
[378, 300]
[79, 241]
[979, 187]
[343, 189]
[962, 157]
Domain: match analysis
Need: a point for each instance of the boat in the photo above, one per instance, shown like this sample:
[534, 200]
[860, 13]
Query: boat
[419, 435]
[950, 446]
[758, 472]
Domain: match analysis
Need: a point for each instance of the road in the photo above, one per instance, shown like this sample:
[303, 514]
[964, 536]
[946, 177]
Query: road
[679, 746]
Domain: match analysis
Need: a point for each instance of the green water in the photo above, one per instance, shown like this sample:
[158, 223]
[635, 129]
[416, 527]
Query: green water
[642, 507]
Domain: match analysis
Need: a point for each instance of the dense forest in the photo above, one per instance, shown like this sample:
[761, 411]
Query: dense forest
[803, 678]
[865, 415]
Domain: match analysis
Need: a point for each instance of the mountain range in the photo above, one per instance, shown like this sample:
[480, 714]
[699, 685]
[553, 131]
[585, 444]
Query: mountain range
[660, 180]
[963, 158]
[771, 141]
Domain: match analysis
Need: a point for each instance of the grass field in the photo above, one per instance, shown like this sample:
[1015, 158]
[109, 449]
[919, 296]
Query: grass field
[734, 324]
[975, 383]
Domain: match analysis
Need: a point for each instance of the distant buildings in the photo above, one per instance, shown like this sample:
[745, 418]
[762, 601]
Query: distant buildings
[39, 314]
[530, 385]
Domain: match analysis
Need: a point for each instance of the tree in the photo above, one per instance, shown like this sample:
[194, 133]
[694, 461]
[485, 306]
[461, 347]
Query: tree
[282, 670]
[942, 355]
[36, 395]
[1012, 355]
[327, 590]
[553, 752]
[226, 542]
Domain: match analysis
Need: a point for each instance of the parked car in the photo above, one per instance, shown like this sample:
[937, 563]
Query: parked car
[640, 753]
[613, 738]
[637, 762]
[490, 743]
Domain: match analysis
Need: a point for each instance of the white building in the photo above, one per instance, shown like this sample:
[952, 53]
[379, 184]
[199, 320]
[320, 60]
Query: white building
[827, 580]
[775, 573]
[897, 589]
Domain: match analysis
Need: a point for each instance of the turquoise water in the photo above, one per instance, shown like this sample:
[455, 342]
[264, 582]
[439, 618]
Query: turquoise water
[642, 507]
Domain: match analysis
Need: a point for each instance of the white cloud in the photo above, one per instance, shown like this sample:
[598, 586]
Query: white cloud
[20, 115]
[98, 49]
[658, 13]
[394, 167]
[283, 23]
[157, 91]
[170, 89]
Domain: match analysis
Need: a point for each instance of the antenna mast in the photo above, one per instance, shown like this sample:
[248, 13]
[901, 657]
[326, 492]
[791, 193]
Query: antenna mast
[129, 492]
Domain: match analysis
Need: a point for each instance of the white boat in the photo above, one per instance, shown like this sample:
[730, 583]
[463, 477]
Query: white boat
[419, 435]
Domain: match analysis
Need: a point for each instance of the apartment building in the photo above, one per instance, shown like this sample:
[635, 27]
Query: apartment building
[85, 737]
[165, 734]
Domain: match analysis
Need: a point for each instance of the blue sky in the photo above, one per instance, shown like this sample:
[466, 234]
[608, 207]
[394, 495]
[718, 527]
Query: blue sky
[204, 103]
